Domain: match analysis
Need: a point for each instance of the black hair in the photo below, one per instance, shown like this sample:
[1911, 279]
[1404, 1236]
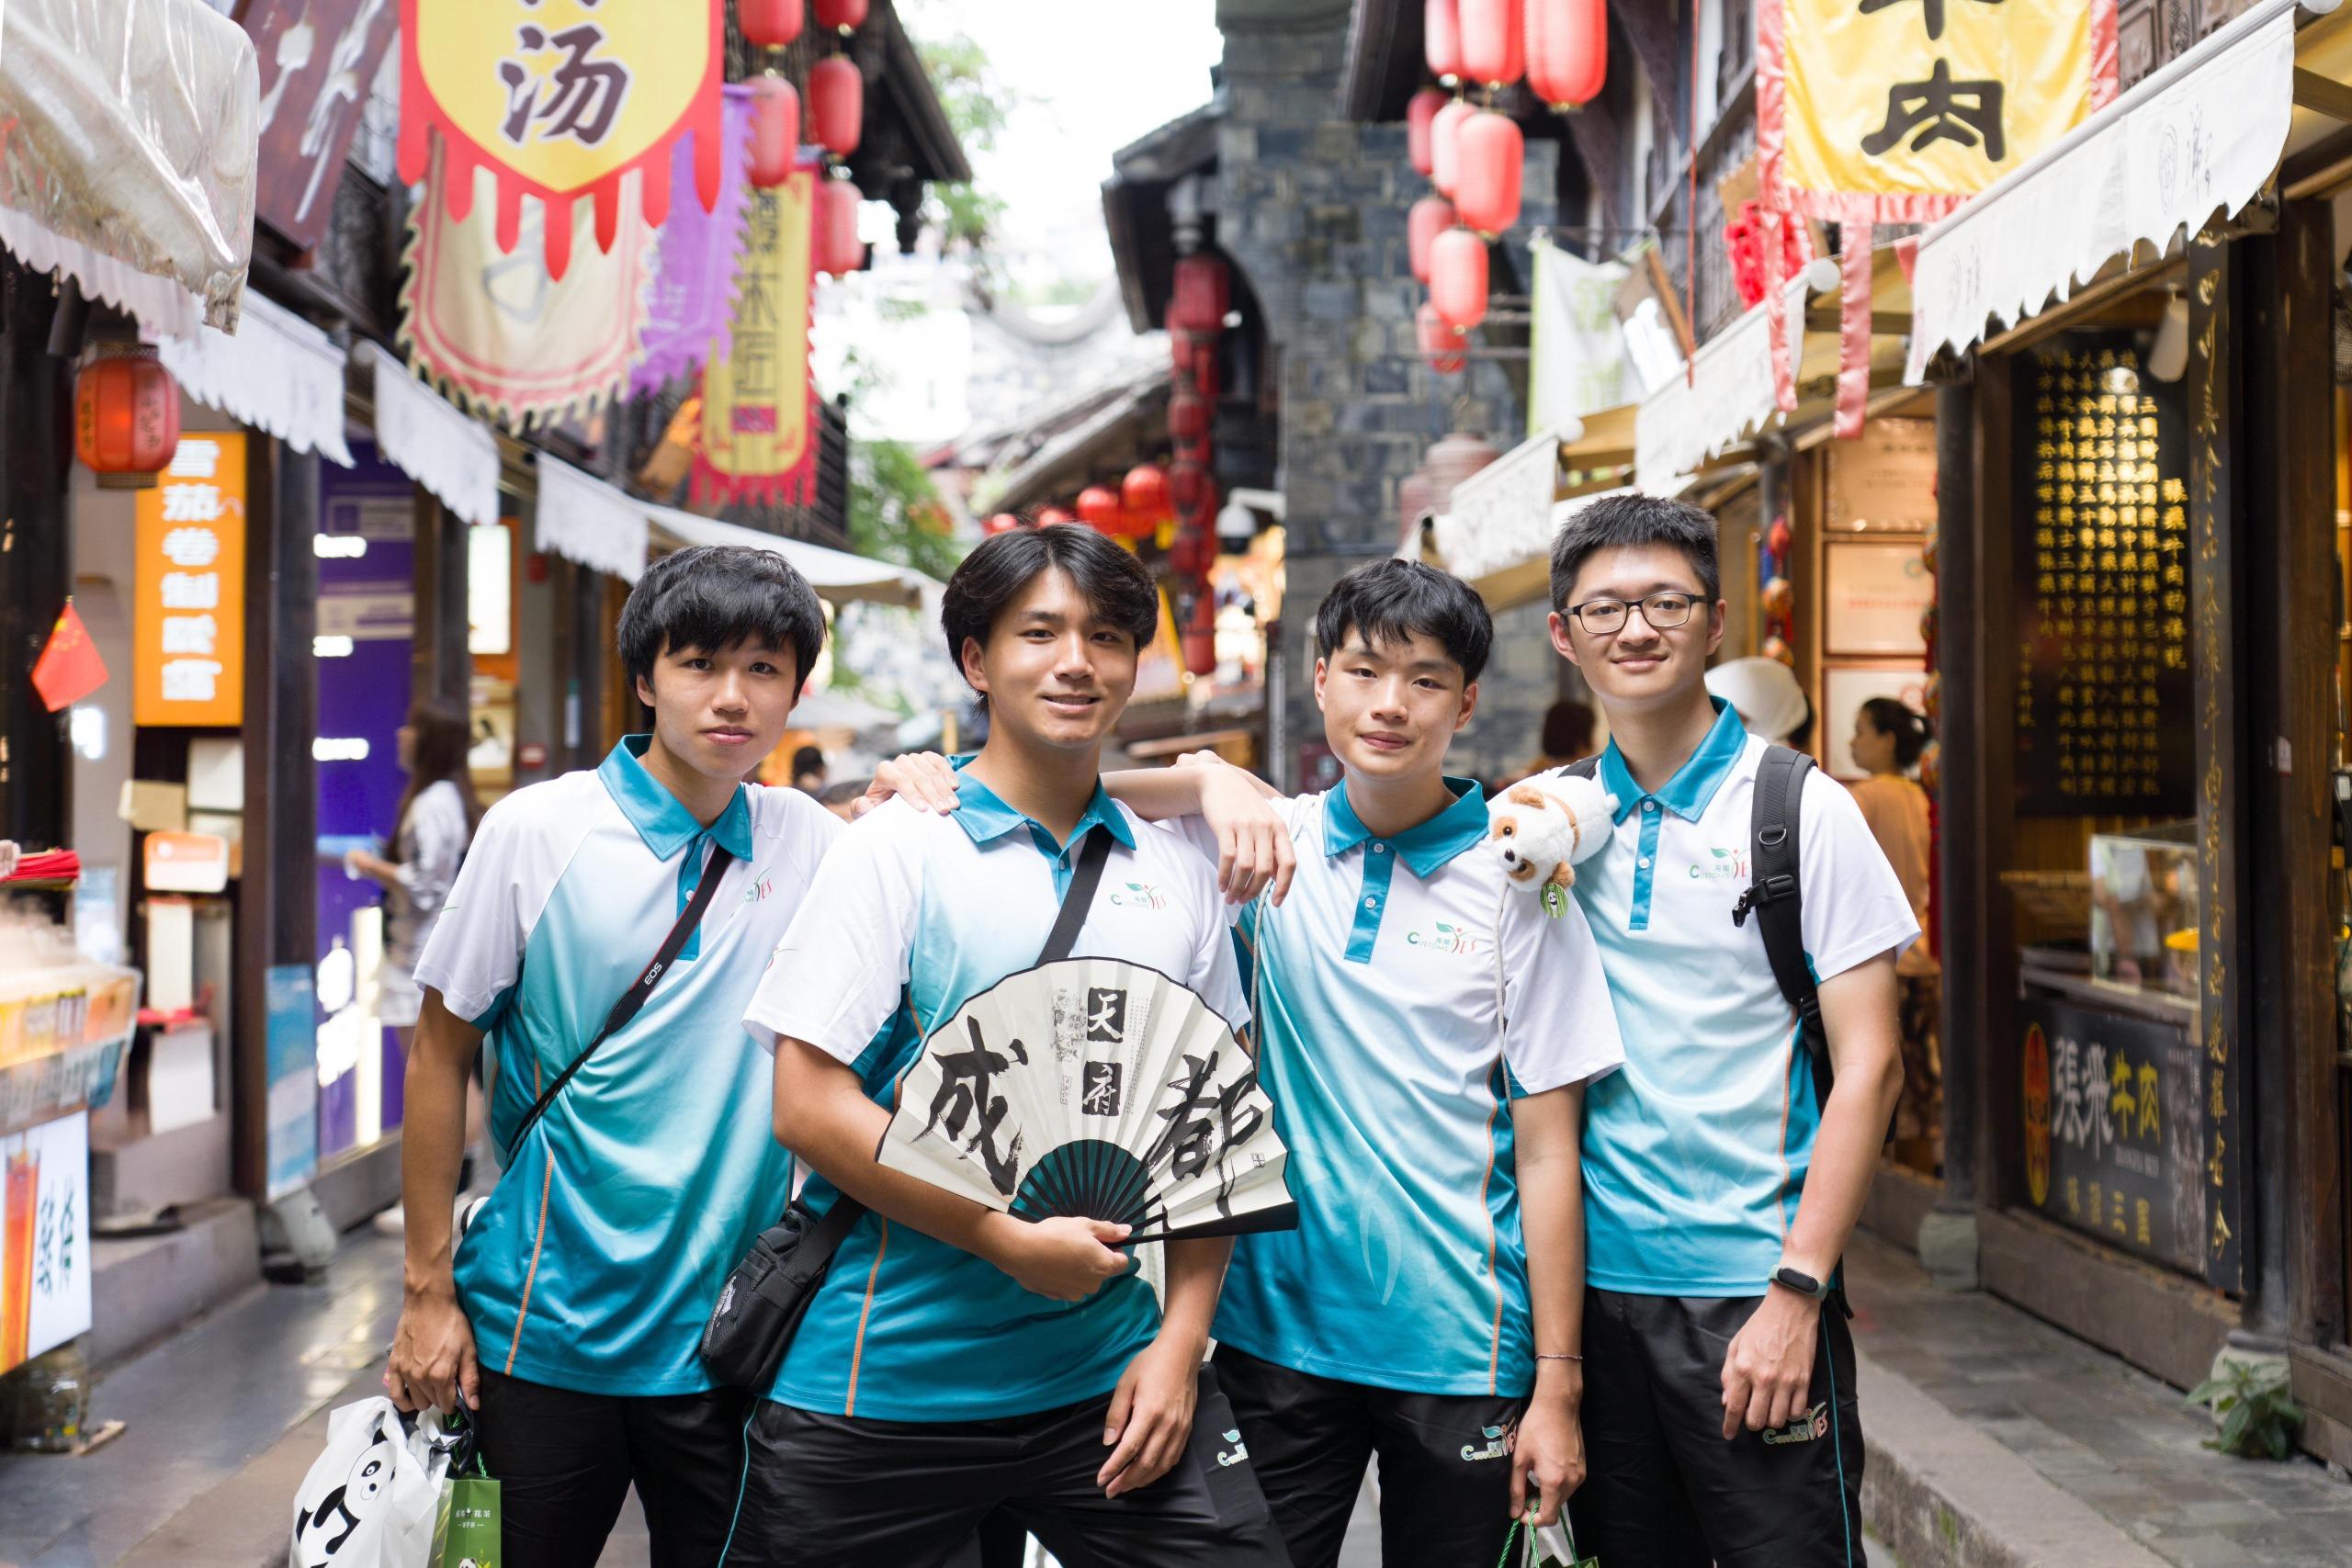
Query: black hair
[1567, 730]
[1388, 601]
[1001, 569]
[807, 759]
[716, 597]
[1622, 522]
[1911, 731]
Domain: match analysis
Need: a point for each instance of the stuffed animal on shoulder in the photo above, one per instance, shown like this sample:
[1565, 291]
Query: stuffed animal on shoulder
[1540, 829]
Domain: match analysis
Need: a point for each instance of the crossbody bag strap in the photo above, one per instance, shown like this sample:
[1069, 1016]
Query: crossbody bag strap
[633, 999]
[1776, 896]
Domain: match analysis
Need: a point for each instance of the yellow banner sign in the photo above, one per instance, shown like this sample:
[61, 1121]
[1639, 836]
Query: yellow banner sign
[1923, 103]
[758, 424]
[559, 99]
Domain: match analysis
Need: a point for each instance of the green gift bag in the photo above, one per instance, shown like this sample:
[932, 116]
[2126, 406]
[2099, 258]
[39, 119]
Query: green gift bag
[466, 1527]
[1554, 1546]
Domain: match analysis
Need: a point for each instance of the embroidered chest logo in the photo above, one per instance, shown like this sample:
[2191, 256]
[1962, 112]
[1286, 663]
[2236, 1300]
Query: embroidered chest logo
[1451, 939]
[1811, 1424]
[1138, 895]
[1498, 1446]
[1722, 865]
[759, 891]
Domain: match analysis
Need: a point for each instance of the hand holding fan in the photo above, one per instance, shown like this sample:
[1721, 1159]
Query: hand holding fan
[1100, 1089]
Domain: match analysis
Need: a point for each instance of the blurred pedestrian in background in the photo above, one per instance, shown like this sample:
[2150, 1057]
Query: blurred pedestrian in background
[1888, 741]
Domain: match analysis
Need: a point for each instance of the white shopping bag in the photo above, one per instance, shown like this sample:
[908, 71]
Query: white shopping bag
[369, 1500]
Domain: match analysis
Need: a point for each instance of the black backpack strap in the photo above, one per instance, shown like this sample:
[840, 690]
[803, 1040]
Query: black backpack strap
[1777, 899]
[1078, 897]
[1588, 768]
[633, 999]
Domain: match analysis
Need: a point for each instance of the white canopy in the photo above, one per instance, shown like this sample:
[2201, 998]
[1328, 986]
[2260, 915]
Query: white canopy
[1728, 395]
[585, 519]
[2198, 137]
[835, 574]
[133, 143]
[278, 373]
[434, 442]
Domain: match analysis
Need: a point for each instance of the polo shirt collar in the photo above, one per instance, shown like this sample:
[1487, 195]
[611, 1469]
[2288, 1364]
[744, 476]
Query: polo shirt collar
[1425, 846]
[1693, 784]
[665, 825]
[985, 815]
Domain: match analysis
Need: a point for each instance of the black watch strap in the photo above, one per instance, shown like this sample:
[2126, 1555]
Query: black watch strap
[1801, 1282]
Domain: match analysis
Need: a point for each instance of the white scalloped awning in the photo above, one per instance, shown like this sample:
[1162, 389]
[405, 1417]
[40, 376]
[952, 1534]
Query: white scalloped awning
[835, 574]
[1728, 395]
[433, 442]
[279, 374]
[2197, 138]
[582, 518]
[130, 161]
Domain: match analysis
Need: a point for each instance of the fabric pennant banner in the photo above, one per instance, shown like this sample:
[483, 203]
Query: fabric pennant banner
[559, 99]
[1898, 111]
[759, 414]
[694, 284]
[500, 333]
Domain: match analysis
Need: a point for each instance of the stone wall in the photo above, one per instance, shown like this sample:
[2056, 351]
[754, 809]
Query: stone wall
[1311, 208]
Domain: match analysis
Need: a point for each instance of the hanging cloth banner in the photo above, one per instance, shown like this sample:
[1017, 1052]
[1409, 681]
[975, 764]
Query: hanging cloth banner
[693, 286]
[759, 414]
[502, 335]
[1898, 111]
[559, 99]
[429, 439]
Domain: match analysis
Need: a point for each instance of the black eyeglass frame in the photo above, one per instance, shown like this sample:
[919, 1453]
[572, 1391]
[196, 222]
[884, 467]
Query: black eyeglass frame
[1626, 606]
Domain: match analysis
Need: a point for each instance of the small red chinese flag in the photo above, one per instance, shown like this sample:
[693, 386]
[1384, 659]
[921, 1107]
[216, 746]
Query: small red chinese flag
[69, 668]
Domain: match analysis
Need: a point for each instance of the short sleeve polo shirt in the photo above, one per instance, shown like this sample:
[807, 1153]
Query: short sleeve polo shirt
[594, 1263]
[912, 916]
[1377, 985]
[1695, 1154]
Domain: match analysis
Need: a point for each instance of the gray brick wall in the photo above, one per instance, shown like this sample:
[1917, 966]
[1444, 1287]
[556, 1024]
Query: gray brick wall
[1311, 207]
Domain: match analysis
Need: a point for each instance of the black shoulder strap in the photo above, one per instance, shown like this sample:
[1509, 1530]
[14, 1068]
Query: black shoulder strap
[1588, 768]
[633, 999]
[1777, 898]
[1078, 897]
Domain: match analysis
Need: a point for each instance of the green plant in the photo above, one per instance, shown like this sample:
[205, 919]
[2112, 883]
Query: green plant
[2259, 1418]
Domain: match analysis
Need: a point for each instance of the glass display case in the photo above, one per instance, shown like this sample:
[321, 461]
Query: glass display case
[2145, 911]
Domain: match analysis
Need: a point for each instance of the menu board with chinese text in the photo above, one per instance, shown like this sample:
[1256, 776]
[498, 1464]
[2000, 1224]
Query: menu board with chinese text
[2102, 564]
[188, 642]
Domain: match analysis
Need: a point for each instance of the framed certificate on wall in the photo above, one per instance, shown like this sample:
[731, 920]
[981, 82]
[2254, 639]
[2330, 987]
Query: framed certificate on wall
[1873, 594]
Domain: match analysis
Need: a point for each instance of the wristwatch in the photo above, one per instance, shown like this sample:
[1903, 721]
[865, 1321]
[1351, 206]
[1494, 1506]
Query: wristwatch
[1799, 1281]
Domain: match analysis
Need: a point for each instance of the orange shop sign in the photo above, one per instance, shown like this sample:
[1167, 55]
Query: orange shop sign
[189, 645]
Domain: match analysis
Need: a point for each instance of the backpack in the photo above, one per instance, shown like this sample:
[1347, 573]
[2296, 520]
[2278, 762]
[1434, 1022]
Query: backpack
[1773, 894]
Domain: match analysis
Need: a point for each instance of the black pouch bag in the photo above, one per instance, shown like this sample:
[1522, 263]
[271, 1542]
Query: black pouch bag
[768, 1292]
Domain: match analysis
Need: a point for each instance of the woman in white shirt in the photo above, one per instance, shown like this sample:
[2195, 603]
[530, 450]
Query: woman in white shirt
[430, 831]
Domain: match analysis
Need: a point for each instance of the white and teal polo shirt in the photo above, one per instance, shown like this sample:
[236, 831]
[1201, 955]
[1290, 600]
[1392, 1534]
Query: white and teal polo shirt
[1695, 1156]
[913, 915]
[595, 1261]
[1392, 1074]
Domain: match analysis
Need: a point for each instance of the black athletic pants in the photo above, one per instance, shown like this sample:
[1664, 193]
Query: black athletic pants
[1444, 1464]
[848, 1492]
[1665, 1489]
[564, 1463]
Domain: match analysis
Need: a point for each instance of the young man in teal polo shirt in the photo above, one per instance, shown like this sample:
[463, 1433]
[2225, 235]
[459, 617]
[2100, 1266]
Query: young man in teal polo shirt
[1720, 1417]
[568, 1315]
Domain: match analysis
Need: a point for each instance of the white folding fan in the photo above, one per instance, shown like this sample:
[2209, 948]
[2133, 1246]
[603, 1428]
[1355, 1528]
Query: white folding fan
[1096, 1087]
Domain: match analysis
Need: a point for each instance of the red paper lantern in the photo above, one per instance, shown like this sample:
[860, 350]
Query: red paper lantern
[1494, 47]
[1053, 516]
[1188, 481]
[126, 416]
[1458, 278]
[842, 15]
[1491, 153]
[1002, 523]
[1200, 633]
[1203, 369]
[1441, 38]
[1440, 343]
[1201, 295]
[1567, 50]
[1430, 217]
[1193, 552]
[769, 24]
[1145, 491]
[776, 131]
[1446, 144]
[1188, 417]
[1098, 507]
[836, 105]
[835, 243]
[1418, 113]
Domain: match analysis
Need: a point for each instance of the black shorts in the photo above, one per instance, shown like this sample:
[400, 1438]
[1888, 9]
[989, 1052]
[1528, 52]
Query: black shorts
[1444, 1464]
[1665, 1489]
[565, 1461]
[845, 1492]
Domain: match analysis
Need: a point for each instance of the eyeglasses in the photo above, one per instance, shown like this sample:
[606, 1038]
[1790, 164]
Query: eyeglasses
[1662, 610]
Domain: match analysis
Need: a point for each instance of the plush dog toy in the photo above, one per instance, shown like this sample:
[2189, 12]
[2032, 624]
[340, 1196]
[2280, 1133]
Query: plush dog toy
[1540, 829]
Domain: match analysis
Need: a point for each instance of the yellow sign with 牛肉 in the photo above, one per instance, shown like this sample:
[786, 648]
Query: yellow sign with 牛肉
[1934, 98]
[187, 650]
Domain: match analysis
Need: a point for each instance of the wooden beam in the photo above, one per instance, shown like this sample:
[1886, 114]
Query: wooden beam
[2323, 95]
[1982, 637]
[1966, 883]
[36, 562]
